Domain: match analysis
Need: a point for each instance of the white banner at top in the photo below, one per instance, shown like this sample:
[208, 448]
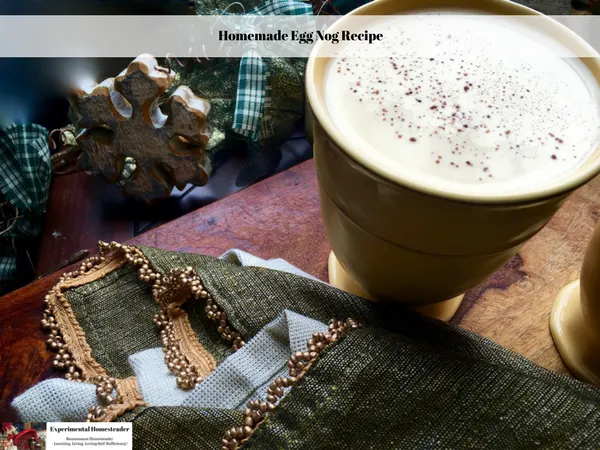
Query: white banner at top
[271, 36]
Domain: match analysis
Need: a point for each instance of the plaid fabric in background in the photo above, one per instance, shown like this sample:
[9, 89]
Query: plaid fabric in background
[252, 79]
[250, 99]
[25, 174]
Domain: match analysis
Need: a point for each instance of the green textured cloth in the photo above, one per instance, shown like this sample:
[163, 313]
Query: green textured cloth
[164, 427]
[402, 381]
[407, 394]
[25, 174]
[116, 314]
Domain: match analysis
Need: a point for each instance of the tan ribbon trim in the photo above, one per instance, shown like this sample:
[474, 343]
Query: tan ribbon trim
[129, 390]
[74, 336]
[177, 294]
[130, 397]
[191, 347]
[71, 331]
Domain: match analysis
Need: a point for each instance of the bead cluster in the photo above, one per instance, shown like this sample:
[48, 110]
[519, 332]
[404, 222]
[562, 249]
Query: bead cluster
[135, 258]
[107, 394]
[187, 278]
[187, 374]
[169, 292]
[177, 288]
[217, 315]
[63, 359]
[298, 365]
[164, 290]
[179, 285]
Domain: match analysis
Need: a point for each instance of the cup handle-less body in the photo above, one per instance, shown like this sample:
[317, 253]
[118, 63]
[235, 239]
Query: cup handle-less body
[575, 318]
[309, 121]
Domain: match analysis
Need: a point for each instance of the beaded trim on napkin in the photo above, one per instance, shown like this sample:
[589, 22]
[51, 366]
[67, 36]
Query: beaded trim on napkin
[298, 364]
[184, 354]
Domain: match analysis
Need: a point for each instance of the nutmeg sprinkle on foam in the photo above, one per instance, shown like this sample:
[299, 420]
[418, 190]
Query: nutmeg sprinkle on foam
[498, 119]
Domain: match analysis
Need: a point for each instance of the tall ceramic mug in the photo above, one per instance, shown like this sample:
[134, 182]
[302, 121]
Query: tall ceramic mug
[406, 241]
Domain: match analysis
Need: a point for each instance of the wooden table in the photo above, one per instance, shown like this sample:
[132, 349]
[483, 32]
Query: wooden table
[81, 210]
[280, 217]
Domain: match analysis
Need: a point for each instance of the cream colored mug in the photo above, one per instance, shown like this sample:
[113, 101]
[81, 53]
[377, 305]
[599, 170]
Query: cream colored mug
[395, 239]
[575, 317]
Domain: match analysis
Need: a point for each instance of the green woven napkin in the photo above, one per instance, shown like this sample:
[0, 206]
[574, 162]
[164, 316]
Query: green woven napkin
[401, 381]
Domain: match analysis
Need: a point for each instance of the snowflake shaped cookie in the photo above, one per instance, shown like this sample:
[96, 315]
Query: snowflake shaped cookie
[132, 141]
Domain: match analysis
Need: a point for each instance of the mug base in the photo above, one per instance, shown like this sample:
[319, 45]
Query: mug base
[341, 279]
[573, 340]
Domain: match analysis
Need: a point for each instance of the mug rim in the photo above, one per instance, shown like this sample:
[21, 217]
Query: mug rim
[568, 183]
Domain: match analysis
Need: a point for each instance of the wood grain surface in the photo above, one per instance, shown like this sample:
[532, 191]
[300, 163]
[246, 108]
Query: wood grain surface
[280, 217]
[81, 210]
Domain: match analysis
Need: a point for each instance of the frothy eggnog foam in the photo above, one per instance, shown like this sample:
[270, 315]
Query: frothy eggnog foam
[495, 111]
